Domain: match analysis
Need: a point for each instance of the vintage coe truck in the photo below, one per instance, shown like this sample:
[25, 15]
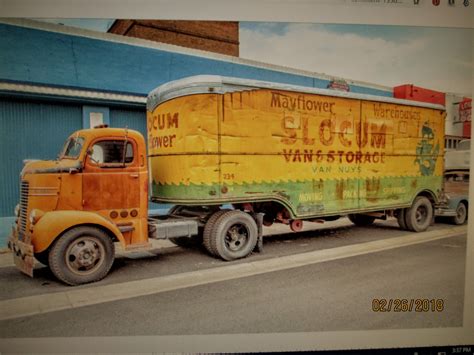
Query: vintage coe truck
[275, 152]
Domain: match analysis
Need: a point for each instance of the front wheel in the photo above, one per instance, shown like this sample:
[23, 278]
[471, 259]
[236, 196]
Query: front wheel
[418, 217]
[82, 255]
[461, 214]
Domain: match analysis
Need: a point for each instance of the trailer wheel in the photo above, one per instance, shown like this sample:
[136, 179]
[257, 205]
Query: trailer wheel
[82, 255]
[401, 218]
[208, 228]
[361, 220]
[234, 235]
[418, 217]
[461, 214]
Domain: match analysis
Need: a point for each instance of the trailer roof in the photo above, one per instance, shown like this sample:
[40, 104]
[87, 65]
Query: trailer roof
[201, 84]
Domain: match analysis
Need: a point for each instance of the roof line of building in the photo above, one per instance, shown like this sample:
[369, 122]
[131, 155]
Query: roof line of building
[43, 90]
[110, 37]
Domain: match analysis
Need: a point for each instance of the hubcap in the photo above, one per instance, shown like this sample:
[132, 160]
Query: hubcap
[236, 237]
[85, 255]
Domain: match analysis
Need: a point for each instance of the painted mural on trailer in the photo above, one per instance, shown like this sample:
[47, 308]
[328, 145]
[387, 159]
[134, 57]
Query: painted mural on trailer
[316, 154]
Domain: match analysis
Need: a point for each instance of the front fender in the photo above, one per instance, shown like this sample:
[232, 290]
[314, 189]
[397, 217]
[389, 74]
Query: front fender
[454, 201]
[53, 224]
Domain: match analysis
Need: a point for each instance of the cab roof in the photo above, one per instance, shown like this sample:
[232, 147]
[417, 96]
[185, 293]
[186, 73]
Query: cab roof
[93, 133]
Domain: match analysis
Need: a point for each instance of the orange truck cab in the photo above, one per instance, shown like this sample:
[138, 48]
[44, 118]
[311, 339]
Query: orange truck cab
[72, 210]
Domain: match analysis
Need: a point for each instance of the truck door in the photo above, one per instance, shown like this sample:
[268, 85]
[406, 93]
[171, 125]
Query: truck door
[111, 179]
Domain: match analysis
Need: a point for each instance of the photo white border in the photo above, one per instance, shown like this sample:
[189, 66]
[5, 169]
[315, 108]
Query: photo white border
[323, 11]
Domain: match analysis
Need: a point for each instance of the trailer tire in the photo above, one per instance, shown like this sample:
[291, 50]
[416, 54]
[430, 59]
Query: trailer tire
[361, 219]
[82, 255]
[206, 235]
[401, 215]
[234, 235]
[418, 217]
[461, 214]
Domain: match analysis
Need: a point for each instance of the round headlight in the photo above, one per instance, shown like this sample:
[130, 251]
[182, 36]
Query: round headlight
[35, 216]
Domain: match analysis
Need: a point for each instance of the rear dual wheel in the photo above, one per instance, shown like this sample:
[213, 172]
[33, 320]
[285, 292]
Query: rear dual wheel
[401, 218]
[230, 235]
[209, 231]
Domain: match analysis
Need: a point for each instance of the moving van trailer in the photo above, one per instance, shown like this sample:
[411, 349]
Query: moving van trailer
[277, 153]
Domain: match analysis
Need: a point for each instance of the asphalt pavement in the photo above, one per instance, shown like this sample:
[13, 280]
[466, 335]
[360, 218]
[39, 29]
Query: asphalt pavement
[285, 289]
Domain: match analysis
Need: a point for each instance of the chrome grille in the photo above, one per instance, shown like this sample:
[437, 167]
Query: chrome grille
[22, 217]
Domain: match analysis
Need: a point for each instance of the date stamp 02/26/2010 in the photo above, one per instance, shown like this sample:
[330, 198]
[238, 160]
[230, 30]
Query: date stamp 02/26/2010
[407, 305]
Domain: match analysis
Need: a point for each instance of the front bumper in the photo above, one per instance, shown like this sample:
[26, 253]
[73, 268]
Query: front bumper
[445, 212]
[23, 255]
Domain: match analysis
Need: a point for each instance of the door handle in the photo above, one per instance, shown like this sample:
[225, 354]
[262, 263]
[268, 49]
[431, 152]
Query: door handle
[134, 175]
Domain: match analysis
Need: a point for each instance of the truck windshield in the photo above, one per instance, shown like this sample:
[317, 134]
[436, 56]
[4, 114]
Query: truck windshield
[72, 148]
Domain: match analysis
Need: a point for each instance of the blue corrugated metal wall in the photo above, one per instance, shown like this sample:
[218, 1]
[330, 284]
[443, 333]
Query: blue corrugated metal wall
[38, 130]
[30, 130]
[133, 119]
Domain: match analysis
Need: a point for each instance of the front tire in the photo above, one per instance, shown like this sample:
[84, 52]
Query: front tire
[82, 255]
[461, 214]
[234, 235]
[418, 217]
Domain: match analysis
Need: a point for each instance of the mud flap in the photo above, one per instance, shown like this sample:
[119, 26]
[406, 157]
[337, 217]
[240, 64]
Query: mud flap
[23, 256]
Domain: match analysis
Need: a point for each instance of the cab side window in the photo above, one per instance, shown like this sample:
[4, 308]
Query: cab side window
[111, 152]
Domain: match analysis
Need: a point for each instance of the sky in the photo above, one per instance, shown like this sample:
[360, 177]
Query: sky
[435, 58]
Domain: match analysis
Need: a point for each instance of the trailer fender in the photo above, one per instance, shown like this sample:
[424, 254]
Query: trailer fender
[427, 193]
[52, 224]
